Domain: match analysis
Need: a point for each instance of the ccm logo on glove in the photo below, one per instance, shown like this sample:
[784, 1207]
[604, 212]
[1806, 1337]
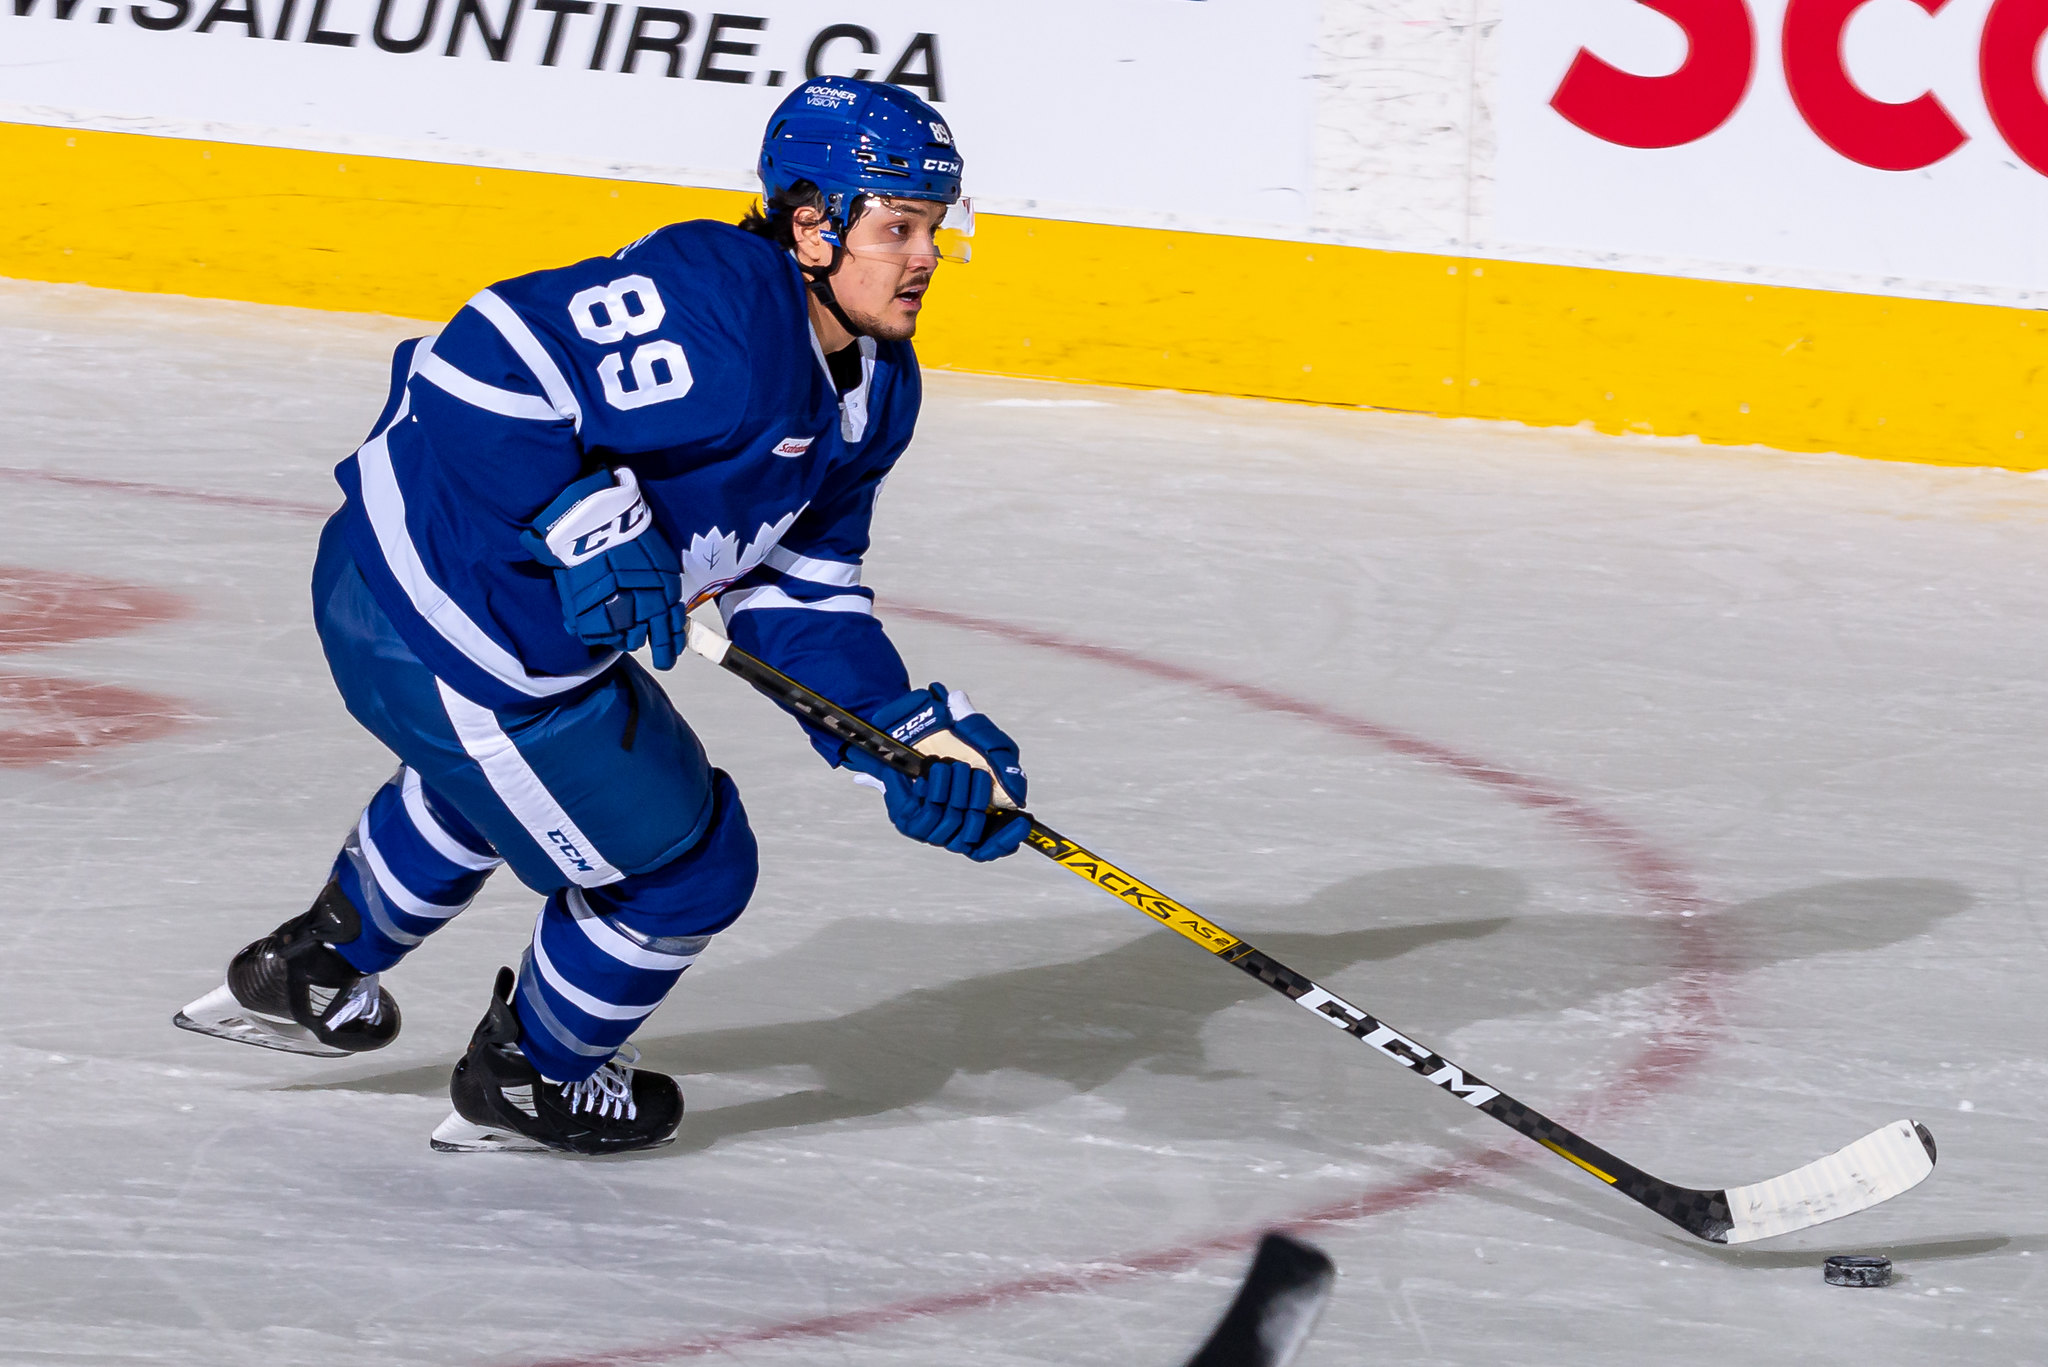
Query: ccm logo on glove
[610, 517]
[913, 730]
[619, 579]
[958, 802]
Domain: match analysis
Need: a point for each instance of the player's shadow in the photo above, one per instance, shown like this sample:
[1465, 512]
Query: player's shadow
[1464, 955]
[1545, 964]
[1079, 1024]
[1144, 1004]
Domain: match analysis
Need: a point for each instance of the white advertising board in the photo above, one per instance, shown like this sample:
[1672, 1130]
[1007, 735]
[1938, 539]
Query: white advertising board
[1901, 143]
[1191, 112]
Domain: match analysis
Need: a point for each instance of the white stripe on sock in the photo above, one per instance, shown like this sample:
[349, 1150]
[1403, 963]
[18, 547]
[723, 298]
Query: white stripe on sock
[608, 938]
[577, 997]
[396, 892]
[434, 833]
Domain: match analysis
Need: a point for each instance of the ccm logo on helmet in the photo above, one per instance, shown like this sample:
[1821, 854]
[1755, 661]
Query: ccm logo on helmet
[940, 164]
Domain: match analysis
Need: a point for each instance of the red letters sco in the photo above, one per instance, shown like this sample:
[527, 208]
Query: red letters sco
[1691, 102]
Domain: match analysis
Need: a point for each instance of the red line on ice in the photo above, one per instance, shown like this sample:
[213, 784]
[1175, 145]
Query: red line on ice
[44, 719]
[40, 608]
[1665, 1058]
[133, 486]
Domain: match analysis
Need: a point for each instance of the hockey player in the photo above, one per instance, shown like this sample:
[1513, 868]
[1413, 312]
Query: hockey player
[582, 457]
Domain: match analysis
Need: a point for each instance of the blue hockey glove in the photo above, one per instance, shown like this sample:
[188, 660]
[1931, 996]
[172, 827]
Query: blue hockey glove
[620, 581]
[949, 805]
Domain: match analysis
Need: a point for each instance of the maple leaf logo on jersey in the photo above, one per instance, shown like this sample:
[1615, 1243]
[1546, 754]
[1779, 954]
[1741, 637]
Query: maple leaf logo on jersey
[713, 561]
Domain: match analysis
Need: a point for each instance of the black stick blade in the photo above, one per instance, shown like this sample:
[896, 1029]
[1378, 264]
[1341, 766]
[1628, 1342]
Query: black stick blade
[1275, 1310]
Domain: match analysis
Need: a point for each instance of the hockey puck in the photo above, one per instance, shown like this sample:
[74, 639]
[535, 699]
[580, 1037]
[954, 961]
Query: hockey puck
[1852, 1270]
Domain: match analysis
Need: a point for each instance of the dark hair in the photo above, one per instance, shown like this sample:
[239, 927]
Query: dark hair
[776, 219]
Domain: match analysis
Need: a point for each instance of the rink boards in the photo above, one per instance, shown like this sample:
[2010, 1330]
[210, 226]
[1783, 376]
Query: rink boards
[1807, 232]
[1798, 369]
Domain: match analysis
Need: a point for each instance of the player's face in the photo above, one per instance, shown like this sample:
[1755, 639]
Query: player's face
[890, 255]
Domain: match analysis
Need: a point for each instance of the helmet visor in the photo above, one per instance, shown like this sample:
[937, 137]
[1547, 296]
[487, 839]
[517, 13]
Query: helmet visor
[908, 229]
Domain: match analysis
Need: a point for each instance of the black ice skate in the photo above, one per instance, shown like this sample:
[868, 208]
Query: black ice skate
[290, 990]
[502, 1101]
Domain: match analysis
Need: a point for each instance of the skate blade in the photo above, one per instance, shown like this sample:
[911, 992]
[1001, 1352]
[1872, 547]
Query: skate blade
[220, 1015]
[457, 1135]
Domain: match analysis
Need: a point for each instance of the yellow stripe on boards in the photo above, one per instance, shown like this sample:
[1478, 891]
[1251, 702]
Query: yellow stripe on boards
[315, 229]
[1803, 370]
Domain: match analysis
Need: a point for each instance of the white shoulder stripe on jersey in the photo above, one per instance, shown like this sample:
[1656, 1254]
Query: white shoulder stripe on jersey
[505, 403]
[522, 792]
[837, 573]
[385, 503]
[731, 605]
[435, 834]
[520, 338]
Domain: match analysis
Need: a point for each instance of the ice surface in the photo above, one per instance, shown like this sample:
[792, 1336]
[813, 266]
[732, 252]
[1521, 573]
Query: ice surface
[1694, 795]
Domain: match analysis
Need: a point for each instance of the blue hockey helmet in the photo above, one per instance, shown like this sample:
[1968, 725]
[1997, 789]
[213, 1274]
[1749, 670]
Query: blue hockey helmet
[851, 138]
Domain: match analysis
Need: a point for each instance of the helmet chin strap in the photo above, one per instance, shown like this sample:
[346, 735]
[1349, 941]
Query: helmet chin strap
[820, 283]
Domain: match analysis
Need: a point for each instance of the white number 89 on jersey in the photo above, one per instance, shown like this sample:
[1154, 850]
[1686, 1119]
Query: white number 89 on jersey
[631, 307]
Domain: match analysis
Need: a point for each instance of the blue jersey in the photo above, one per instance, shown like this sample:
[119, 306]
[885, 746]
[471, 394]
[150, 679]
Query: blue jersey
[689, 358]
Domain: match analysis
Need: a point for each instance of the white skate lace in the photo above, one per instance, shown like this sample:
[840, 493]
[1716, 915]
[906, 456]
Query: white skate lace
[364, 1003]
[608, 1092]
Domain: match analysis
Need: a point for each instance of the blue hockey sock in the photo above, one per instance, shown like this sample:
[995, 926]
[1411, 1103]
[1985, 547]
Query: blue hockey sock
[409, 866]
[587, 982]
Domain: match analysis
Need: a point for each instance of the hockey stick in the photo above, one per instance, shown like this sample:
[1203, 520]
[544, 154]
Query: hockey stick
[1275, 1310]
[1875, 1168]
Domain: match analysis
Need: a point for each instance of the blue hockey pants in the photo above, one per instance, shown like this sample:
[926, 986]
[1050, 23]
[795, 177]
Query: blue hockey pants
[603, 800]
